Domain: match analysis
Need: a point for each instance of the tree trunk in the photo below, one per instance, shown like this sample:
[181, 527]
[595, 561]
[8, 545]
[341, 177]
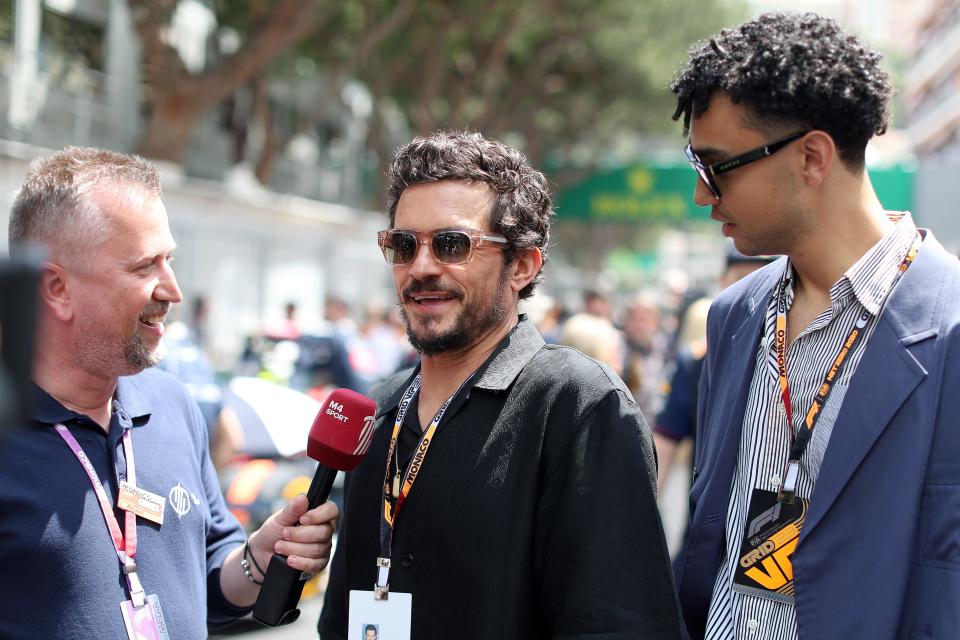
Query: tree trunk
[167, 134]
[263, 111]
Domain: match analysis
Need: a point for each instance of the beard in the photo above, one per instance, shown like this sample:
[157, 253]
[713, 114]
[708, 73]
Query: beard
[129, 355]
[470, 324]
[119, 354]
[138, 355]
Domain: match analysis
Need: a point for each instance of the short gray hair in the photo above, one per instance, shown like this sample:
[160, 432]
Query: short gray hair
[53, 207]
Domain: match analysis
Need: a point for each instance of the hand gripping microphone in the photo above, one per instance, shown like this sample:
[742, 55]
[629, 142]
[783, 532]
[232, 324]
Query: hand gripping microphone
[339, 438]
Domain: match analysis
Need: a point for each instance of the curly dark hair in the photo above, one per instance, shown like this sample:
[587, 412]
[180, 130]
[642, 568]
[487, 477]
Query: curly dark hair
[791, 71]
[520, 209]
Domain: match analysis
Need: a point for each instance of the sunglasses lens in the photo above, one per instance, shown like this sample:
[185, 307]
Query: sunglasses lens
[707, 180]
[451, 247]
[400, 247]
[702, 172]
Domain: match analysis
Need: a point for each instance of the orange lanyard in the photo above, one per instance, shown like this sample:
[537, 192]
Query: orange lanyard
[798, 443]
[390, 512]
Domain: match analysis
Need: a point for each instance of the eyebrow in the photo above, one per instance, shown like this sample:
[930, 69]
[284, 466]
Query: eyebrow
[149, 257]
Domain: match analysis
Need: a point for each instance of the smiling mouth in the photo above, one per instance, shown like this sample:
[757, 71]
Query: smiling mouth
[429, 299]
[154, 318]
[153, 321]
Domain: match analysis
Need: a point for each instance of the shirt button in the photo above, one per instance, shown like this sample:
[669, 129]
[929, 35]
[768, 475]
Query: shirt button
[406, 561]
[775, 480]
[753, 624]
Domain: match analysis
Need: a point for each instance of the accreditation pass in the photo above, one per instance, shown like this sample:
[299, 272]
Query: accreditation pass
[389, 618]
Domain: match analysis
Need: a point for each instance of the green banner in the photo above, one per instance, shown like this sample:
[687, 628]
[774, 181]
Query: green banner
[664, 194]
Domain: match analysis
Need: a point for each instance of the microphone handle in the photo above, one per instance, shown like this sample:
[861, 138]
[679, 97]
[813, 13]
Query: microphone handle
[320, 486]
[282, 585]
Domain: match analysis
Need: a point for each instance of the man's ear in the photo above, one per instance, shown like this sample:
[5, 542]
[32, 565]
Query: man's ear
[819, 152]
[55, 292]
[526, 267]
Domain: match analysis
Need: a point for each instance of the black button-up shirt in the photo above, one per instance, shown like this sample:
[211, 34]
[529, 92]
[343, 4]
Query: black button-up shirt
[534, 514]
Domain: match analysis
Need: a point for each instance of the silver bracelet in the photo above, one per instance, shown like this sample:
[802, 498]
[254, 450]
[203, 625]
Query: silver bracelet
[246, 564]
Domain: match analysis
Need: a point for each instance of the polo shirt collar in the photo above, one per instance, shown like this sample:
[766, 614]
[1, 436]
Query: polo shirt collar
[47, 410]
[500, 369]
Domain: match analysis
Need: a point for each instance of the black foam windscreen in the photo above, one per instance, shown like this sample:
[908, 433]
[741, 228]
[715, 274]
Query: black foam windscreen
[18, 321]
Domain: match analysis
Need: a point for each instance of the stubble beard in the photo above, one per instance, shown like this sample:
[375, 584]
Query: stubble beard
[132, 355]
[468, 327]
[138, 355]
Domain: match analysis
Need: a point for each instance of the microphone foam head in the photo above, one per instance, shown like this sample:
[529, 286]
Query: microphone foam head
[343, 430]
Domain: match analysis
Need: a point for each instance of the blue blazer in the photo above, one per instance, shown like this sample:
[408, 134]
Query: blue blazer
[879, 553]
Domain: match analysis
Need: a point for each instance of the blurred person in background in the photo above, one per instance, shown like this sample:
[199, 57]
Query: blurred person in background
[383, 334]
[184, 359]
[596, 337]
[596, 302]
[825, 499]
[509, 491]
[199, 312]
[646, 347]
[92, 543]
[289, 327]
[336, 311]
[677, 421]
[552, 322]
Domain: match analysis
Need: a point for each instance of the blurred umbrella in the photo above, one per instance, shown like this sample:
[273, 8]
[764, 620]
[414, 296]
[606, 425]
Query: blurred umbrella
[275, 420]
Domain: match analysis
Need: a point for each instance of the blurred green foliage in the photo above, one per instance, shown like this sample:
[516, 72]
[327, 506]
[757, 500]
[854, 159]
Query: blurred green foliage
[546, 75]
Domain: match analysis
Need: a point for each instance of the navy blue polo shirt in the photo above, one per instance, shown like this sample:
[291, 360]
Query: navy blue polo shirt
[61, 576]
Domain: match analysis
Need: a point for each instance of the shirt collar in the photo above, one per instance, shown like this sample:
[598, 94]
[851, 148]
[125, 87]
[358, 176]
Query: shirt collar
[511, 356]
[874, 273]
[499, 370]
[47, 410]
[870, 277]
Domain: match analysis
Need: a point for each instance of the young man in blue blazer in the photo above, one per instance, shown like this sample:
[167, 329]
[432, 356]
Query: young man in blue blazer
[826, 499]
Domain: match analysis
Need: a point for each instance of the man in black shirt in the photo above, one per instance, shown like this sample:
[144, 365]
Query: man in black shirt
[510, 486]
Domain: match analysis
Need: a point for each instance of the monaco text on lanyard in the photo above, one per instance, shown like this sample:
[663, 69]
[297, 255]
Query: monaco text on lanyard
[141, 621]
[395, 492]
[798, 443]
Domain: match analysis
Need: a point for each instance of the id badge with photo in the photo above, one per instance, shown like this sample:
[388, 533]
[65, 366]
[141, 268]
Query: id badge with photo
[372, 619]
[764, 568]
[146, 622]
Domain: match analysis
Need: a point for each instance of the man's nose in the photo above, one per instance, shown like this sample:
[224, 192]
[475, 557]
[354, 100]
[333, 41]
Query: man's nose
[168, 290]
[702, 195]
[424, 262]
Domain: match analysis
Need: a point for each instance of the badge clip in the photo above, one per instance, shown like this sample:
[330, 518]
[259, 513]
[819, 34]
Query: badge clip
[381, 590]
[788, 489]
[133, 581]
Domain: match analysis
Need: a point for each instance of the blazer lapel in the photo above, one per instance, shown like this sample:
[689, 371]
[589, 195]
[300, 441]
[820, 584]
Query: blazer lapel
[736, 362]
[885, 377]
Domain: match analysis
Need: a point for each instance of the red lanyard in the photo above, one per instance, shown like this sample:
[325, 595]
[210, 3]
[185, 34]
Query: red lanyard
[124, 543]
[798, 444]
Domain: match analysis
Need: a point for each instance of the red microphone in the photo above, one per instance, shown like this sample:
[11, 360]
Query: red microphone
[339, 438]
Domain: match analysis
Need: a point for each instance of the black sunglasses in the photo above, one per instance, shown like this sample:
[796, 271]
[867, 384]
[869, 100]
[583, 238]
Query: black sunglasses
[450, 246]
[708, 173]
